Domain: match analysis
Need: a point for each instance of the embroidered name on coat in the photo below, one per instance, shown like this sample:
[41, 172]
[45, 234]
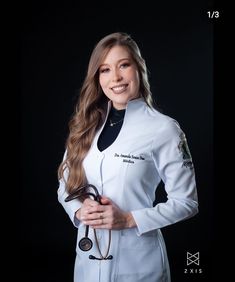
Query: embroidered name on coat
[129, 158]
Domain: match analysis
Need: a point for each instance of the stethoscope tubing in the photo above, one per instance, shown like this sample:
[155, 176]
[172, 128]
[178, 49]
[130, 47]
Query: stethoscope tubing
[85, 244]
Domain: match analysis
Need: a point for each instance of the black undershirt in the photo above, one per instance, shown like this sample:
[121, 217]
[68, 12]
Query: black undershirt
[110, 133]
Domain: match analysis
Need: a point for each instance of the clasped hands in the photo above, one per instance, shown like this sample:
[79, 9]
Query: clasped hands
[106, 215]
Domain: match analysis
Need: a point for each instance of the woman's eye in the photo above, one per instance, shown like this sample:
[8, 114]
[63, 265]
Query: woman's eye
[125, 65]
[104, 70]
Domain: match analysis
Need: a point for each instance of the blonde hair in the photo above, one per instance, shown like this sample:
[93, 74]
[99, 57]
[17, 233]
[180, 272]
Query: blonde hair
[91, 108]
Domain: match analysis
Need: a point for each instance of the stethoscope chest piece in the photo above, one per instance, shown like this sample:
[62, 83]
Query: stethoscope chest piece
[85, 244]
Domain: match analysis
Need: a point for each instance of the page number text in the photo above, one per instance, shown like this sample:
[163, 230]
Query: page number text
[213, 14]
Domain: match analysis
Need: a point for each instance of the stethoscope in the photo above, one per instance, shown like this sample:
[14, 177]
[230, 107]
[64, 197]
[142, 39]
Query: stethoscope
[85, 244]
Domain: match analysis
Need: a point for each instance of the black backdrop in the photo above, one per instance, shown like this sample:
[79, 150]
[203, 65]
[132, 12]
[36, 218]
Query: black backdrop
[55, 44]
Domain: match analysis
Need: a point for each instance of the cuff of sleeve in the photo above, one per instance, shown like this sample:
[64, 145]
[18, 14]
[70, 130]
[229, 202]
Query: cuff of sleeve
[73, 209]
[138, 216]
[70, 207]
[76, 221]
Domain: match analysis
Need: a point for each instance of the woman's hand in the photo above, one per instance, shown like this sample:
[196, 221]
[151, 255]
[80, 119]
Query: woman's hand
[107, 216]
[84, 210]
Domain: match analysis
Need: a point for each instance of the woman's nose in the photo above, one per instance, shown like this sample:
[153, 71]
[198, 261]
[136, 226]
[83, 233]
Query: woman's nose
[117, 76]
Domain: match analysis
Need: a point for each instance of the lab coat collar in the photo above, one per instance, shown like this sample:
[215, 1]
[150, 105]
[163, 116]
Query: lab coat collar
[132, 104]
[131, 107]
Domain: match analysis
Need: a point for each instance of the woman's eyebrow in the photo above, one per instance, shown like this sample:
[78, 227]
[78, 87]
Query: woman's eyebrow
[123, 59]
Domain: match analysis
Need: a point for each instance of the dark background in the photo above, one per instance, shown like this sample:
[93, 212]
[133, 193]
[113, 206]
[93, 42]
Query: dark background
[55, 42]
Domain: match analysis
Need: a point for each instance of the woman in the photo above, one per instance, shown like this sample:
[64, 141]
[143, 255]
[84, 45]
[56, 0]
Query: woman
[122, 147]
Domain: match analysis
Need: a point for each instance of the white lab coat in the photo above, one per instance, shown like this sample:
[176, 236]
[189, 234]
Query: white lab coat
[148, 148]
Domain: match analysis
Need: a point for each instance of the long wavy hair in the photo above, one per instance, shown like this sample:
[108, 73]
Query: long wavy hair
[91, 108]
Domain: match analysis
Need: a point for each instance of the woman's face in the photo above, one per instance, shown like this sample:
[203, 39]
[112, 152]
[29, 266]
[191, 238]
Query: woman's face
[119, 77]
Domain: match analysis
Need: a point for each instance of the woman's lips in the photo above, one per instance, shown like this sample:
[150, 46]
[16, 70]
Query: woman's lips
[119, 89]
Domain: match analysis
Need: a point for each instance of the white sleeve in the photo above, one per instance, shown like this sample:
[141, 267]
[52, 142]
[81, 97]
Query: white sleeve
[174, 164]
[70, 207]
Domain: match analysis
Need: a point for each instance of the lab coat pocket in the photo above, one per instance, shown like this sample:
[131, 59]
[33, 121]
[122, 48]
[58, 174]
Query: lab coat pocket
[140, 257]
[132, 240]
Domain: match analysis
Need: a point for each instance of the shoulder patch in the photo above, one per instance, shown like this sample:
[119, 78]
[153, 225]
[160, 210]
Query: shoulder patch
[184, 150]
